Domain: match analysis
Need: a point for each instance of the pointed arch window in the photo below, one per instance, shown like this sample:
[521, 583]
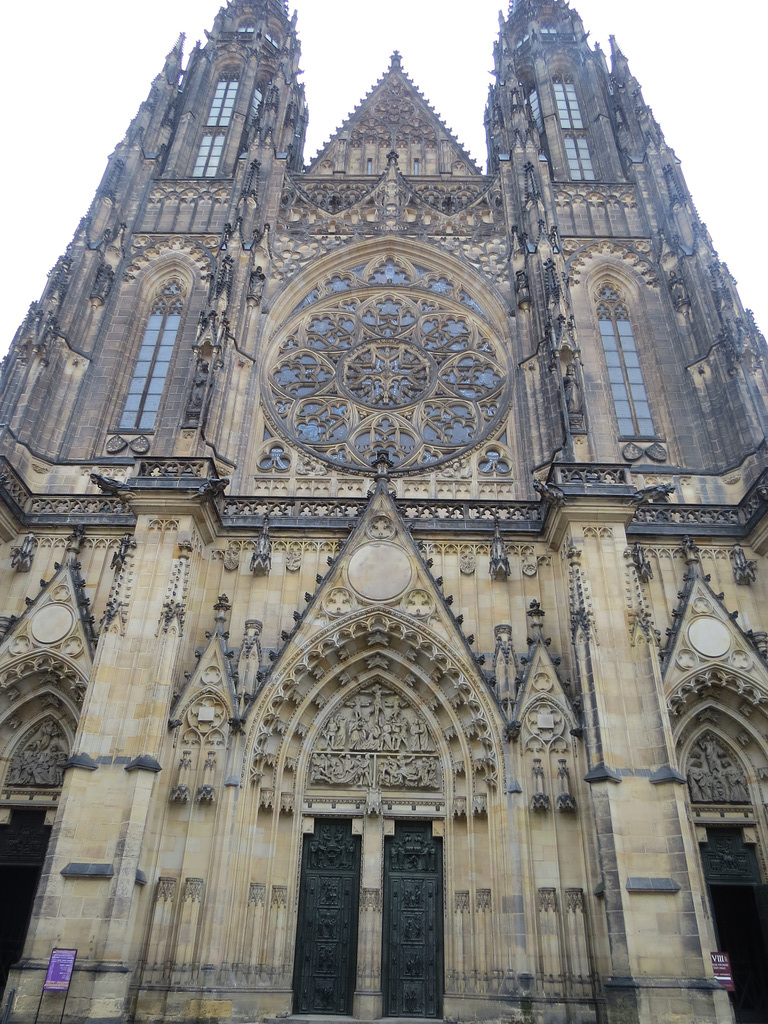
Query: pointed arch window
[625, 376]
[533, 100]
[568, 109]
[151, 369]
[579, 158]
[209, 155]
[223, 103]
[258, 99]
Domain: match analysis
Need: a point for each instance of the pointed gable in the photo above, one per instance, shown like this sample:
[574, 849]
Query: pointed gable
[707, 649]
[394, 117]
[379, 566]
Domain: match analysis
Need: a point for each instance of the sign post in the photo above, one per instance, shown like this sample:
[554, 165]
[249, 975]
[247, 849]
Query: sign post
[58, 978]
[721, 965]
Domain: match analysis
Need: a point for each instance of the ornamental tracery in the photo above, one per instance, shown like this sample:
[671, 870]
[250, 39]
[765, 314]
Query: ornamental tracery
[414, 369]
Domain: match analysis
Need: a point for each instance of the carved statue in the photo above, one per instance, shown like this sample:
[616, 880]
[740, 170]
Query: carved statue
[261, 562]
[102, 284]
[21, 557]
[679, 293]
[197, 394]
[118, 558]
[40, 761]
[744, 570]
[256, 286]
[499, 567]
[572, 391]
[523, 290]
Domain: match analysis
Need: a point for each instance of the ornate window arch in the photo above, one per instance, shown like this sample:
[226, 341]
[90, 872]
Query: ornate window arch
[388, 355]
[625, 375]
[151, 369]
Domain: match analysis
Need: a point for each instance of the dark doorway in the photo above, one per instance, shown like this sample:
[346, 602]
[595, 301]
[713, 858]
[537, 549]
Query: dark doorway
[23, 843]
[326, 936]
[412, 953]
[740, 908]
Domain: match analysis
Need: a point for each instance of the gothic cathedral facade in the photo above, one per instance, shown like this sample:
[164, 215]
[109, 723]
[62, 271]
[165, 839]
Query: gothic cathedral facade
[384, 624]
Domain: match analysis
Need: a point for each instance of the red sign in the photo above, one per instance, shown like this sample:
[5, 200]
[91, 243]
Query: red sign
[60, 968]
[721, 965]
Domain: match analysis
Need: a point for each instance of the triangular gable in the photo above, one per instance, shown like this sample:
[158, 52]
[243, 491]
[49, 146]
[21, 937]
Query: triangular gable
[543, 713]
[706, 638]
[542, 730]
[213, 685]
[52, 642]
[393, 112]
[380, 565]
[376, 685]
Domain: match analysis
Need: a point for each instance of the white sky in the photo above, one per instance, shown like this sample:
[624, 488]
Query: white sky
[74, 75]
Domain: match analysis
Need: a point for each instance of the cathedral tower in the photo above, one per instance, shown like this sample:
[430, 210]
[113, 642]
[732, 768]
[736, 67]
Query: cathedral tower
[381, 545]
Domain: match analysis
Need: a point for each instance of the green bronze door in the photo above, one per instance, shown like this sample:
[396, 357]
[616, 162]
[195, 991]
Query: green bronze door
[412, 955]
[326, 937]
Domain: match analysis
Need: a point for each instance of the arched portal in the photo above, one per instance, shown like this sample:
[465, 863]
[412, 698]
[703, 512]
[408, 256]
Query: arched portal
[380, 743]
[722, 749]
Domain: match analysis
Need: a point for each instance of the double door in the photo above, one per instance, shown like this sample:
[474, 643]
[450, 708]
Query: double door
[412, 933]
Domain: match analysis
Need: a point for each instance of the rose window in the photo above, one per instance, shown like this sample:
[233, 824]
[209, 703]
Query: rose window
[413, 371]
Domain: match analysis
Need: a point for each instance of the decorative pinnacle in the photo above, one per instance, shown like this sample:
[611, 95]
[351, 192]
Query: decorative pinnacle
[382, 464]
[536, 615]
[395, 62]
[221, 608]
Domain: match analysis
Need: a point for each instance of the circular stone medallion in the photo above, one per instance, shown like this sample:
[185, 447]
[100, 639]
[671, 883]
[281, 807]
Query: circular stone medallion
[379, 571]
[52, 623]
[710, 637]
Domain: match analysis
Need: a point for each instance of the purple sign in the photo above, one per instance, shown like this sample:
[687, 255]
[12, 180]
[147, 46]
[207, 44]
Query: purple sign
[60, 968]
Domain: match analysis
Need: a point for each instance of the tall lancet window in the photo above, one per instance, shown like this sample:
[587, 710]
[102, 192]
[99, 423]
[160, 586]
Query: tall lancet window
[630, 398]
[223, 103]
[568, 105]
[576, 145]
[219, 117]
[151, 369]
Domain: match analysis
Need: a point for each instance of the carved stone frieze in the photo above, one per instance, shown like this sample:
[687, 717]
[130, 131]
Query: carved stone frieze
[375, 739]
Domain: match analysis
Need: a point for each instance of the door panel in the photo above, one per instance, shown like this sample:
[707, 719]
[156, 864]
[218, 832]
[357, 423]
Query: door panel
[412, 955]
[326, 938]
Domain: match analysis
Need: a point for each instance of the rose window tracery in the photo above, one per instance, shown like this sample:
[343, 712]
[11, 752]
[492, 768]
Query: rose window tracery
[411, 370]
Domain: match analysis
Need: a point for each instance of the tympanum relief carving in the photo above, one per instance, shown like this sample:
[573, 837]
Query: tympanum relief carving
[714, 775]
[375, 739]
[39, 760]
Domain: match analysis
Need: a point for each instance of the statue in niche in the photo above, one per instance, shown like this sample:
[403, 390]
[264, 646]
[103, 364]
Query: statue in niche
[573, 402]
[256, 284]
[197, 394]
[679, 292]
[714, 776]
[40, 761]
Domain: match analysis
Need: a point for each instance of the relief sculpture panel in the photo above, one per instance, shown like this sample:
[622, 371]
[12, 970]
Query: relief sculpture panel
[375, 739]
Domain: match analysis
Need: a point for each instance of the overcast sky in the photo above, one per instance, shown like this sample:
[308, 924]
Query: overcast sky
[74, 75]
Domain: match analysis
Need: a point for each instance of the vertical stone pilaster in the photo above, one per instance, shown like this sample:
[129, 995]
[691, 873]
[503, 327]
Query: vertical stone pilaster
[548, 932]
[368, 998]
